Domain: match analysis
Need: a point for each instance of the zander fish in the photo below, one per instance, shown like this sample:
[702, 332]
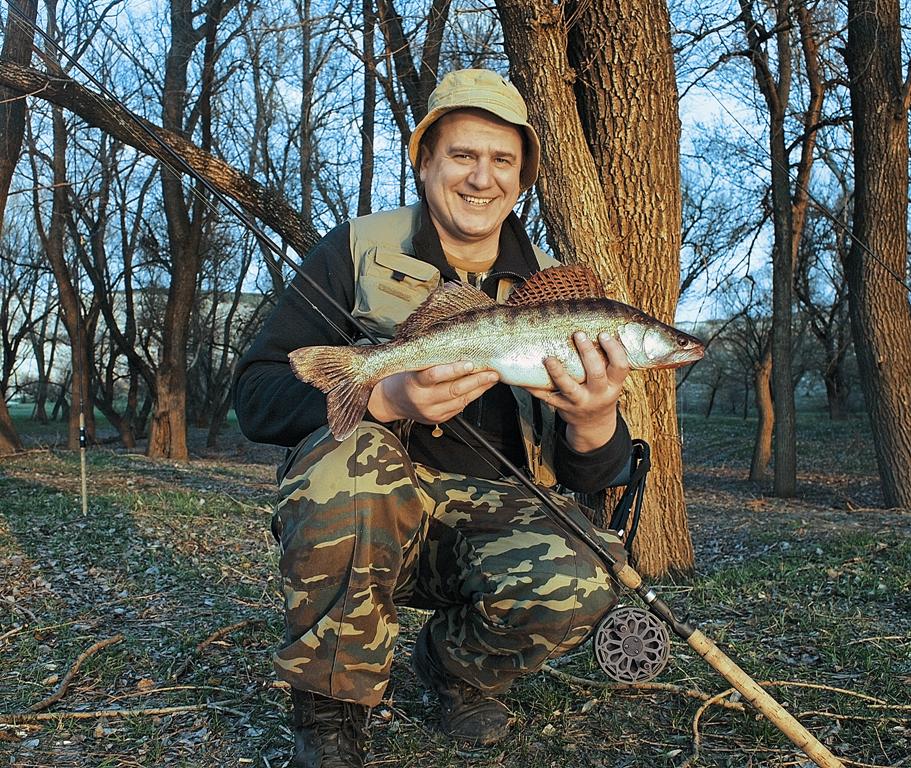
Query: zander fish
[459, 322]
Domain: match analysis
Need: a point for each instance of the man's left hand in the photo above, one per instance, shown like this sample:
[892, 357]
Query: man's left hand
[590, 408]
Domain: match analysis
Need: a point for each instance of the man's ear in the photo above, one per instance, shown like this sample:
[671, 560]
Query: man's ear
[423, 159]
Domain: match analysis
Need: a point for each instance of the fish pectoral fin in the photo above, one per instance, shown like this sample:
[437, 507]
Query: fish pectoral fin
[446, 302]
[571, 281]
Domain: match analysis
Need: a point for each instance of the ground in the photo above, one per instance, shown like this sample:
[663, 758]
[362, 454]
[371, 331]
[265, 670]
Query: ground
[173, 568]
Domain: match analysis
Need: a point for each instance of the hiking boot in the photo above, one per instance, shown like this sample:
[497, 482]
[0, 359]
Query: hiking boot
[466, 712]
[328, 733]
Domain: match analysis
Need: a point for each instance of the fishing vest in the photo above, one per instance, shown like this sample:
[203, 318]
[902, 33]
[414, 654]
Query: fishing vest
[390, 282]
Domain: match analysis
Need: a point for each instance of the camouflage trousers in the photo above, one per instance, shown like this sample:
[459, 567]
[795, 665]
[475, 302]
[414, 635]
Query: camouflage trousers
[362, 529]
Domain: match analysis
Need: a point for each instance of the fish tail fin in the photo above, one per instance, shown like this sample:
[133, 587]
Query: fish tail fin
[341, 373]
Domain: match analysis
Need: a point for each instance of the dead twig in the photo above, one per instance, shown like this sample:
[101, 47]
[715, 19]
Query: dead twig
[721, 698]
[14, 606]
[68, 677]
[697, 739]
[14, 718]
[640, 687]
[820, 687]
[215, 636]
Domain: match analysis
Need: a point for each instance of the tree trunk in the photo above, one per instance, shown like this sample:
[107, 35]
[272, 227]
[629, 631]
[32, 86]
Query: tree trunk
[168, 435]
[785, 477]
[17, 47]
[880, 316]
[633, 132]
[74, 320]
[368, 116]
[637, 201]
[765, 424]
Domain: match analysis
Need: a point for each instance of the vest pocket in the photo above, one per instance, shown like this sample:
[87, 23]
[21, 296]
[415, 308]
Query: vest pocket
[389, 287]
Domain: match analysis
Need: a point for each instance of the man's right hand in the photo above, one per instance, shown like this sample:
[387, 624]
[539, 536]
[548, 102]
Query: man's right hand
[431, 396]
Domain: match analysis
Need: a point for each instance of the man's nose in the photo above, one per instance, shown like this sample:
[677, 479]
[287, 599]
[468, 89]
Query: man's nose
[481, 173]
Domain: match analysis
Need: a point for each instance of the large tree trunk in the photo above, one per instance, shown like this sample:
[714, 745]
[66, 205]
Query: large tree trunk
[627, 96]
[877, 261]
[617, 126]
[17, 47]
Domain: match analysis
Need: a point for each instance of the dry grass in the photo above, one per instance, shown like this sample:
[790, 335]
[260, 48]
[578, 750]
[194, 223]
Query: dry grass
[811, 590]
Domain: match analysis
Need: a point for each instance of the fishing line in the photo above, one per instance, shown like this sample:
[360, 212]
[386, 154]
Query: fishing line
[818, 205]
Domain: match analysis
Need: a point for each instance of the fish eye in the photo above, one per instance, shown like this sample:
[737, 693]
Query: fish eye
[682, 341]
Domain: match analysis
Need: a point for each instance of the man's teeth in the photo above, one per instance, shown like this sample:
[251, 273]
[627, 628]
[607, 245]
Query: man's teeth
[477, 200]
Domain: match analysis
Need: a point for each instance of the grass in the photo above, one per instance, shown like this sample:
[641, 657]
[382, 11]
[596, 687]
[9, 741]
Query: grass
[812, 590]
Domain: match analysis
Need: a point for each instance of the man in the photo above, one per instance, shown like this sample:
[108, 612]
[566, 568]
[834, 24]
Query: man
[402, 512]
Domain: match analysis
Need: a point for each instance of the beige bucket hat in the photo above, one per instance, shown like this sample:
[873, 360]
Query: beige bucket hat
[480, 89]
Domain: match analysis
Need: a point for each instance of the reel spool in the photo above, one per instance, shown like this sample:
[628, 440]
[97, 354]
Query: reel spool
[631, 645]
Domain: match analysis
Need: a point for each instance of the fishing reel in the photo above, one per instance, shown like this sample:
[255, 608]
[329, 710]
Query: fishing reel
[631, 645]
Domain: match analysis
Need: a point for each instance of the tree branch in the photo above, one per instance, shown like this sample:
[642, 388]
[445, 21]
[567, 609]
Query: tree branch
[113, 118]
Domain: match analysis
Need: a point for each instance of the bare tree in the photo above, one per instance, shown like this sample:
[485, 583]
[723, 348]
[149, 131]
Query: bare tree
[788, 209]
[78, 320]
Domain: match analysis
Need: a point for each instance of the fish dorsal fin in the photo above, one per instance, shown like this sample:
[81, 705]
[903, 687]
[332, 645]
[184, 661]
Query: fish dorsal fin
[447, 301]
[573, 281]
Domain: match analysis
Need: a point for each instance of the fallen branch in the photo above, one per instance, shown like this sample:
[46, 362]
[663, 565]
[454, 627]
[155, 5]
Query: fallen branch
[639, 687]
[14, 718]
[721, 699]
[68, 677]
[215, 636]
[718, 698]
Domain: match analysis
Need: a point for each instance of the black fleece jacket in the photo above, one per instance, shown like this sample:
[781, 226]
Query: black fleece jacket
[273, 406]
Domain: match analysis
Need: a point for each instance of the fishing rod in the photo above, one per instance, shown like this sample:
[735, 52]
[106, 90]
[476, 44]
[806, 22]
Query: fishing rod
[613, 556]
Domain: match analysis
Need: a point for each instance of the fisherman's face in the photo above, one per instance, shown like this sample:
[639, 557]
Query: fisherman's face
[471, 176]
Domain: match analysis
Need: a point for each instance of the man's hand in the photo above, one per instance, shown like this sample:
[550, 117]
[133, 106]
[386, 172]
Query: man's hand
[590, 408]
[431, 396]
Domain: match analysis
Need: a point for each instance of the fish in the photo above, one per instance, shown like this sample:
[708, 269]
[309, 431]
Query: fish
[459, 322]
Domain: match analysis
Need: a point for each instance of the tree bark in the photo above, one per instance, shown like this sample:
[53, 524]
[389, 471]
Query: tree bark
[765, 412]
[17, 47]
[877, 261]
[586, 222]
[627, 99]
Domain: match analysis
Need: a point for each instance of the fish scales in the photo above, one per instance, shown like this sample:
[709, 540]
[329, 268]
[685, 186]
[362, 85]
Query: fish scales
[514, 341]
[459, 323]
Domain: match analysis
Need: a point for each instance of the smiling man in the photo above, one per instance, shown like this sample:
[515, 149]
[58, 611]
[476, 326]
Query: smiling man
[406, 513]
